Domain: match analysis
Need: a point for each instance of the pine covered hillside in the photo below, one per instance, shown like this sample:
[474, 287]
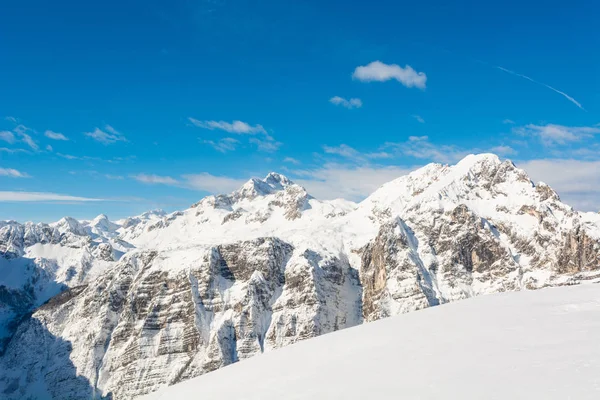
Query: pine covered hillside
[528, 345]
[120, 309]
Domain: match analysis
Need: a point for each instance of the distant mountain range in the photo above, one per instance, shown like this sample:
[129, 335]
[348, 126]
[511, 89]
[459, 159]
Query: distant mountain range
[101, 309]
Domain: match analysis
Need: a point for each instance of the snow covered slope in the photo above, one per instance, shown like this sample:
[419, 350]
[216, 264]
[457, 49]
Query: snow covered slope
[160, 298]
[527, 345]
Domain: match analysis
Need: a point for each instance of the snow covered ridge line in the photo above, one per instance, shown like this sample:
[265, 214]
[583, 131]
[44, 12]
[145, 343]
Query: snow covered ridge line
[161, 298]
[528, 345]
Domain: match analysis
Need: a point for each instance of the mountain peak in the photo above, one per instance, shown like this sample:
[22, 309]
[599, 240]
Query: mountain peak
[69, 224]
[100, 218]
[272, 183]
[275, 179]
[102, 223]
[472, 160]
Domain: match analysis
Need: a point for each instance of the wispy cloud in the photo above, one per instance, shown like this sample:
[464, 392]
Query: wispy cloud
[7, 196]
[82, 158]
[238, 127]
[291, 160]
[114, 160]
[114, 177]
[23, 133]
[7, 136]
[349, 104]
[268, 144]
[571, 99]
[202, 181]
[508, 122]
[223, 145]
[334, 181]
[211, 183]
[13, 173]
[97, 174]
[552, 134]
[13, 151]
[503, 150]
[30, 142]
[107, 136]
[419, 118]
[352, 154]
[155, 179]
[342, 150]
[55, 135]
[381, 72]
[12, 119]
[420, 147]
[576, 181]
[263, 140]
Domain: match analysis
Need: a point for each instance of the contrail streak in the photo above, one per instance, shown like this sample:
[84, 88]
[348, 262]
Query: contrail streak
[572, 100]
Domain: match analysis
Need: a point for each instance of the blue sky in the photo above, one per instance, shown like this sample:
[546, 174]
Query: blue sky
[121, 107]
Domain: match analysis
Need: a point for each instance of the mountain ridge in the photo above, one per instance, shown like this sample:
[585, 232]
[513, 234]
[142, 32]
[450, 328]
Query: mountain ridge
[165, 297]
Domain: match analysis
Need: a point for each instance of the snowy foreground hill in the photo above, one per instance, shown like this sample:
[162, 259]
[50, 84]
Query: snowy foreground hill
[103, 309]
[527, 345]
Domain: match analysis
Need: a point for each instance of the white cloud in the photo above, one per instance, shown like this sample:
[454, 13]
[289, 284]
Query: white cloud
[224, 145]
[552, 134]
[349, 104]
[350, 153]
[342, 150]
[577, 182]
[21, 129]
[13, 173]
[202, 181]
[379, 155]
[291, 160]
[420, 147]
[55, 135]
[378, 71]
[348, 182]
[68, 156]
[12, 119]
[503, 150]
[419, 118]
[238, 127]
[23, 133]
[508, 122]
[7, 150]
[155, 179]
[40, 196]
[269, 144]
[49, 148]
[29, 141]
[572, 100]
[107, 136]
[211, 183]
[7, 136]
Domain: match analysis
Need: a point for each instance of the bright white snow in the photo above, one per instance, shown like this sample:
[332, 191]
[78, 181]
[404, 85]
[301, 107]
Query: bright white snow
[527, 345]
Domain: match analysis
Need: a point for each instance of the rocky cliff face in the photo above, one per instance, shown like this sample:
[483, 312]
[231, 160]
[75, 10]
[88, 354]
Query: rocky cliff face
[268, 265]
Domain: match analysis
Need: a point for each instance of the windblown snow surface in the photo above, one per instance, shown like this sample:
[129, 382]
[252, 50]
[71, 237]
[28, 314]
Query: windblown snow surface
[527, 345]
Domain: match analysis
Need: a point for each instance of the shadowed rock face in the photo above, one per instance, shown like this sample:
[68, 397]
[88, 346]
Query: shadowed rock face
[45, 370]
[177, 307]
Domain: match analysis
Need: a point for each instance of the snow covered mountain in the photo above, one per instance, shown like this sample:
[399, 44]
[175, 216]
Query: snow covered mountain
[528, 345]
[159, 298]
